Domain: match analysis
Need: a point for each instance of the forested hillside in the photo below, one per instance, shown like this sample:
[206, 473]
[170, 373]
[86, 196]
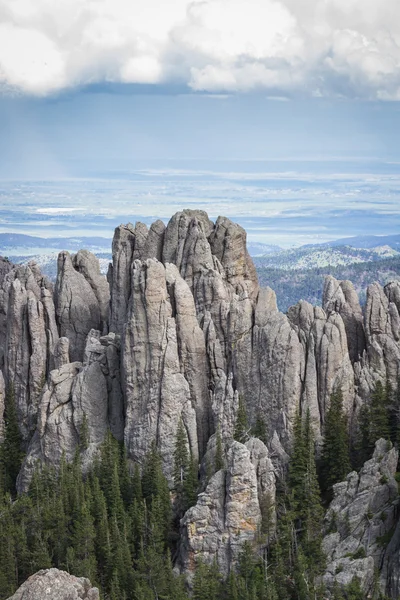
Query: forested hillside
[307, 284]
[118, 524]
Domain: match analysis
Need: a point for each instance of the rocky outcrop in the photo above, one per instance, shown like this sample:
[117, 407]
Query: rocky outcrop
[157, 393]
[382, 331]
[27, 339]
[77, 306]
[341, 297]
[54, 584]
[77, 397]
[228, 512]
[197, 333]
[88, 265]
[361, 520]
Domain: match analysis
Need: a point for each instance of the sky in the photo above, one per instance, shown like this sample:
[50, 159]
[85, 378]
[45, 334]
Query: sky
[210, 91]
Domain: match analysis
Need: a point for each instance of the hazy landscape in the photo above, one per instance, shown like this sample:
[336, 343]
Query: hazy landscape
[199, 300]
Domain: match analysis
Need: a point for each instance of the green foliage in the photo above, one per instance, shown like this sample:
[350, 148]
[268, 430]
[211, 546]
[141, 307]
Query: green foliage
[185, 473]
[379, 417]
[11, 453]
[240, 433]
[308, 284]
[375, 422]
[260, 429]
[359, 553]
[112, 526]
[353, 591]
[181, 456]
[335, 458]
[207, 583]
[296, 556]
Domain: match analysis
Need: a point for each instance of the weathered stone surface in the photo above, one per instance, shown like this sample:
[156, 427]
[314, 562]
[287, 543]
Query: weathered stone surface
[392, 292]
[228, 244]
[376, 311]
[27, 338]
[382, 327]
[54, 584]
[185, 241]
[156, 392]
[362, 513]
[190, 333]
[119, 276]
[61, 352]
[75, 392]
[227, 514]
[264, 468]
[88, 265]
[270, 379]
[341, 297]
[55, 431]
[77, 307]
[153, 246]
[390, 571]
[191, 351]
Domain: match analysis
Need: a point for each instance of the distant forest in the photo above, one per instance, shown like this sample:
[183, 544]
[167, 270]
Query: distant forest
[308, 284]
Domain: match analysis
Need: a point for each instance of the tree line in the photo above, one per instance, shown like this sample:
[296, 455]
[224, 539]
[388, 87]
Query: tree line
[118, 525]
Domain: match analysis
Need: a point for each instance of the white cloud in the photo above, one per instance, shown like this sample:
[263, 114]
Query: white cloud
[334, 47]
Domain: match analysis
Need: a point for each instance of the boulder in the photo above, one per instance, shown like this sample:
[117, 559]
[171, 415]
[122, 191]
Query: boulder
[53, 584]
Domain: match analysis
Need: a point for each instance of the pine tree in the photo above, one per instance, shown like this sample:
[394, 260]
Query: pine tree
[181, 457]
[379, 417]
[137, 493]
[298, 464]
[335, 458]
[241, 425]
[191, 485]
[82, 543]
[312, 510]
[11, 451]
[102, 532]
[206, 582]
[246, 567]
[354, 591]
[260, 429]
[302, 540]
[8, 563]
[155, 485]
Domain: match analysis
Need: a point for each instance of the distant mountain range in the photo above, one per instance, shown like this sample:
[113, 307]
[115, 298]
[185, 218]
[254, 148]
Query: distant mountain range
[17, 244]
[364, 241]
[293, 274]
[312, 257]
[258, 249]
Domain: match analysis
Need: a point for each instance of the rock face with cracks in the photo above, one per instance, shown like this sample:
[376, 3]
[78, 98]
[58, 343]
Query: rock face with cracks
[180, 329]
[227, 514]
[54, 584]
[362, 514]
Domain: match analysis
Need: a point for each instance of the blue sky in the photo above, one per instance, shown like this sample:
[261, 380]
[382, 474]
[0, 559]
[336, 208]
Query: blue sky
[111, 127]
[283, 114]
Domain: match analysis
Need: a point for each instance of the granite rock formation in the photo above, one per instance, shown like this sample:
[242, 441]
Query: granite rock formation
[54, 584]
[363, 515]
[180, 329]
[228, 512]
